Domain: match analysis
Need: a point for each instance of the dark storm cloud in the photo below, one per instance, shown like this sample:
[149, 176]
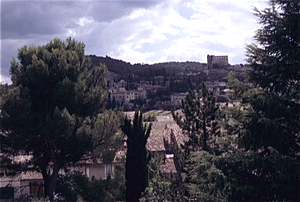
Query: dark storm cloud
[37, 22]
[26, 18]
[22, 19]
[108, 11]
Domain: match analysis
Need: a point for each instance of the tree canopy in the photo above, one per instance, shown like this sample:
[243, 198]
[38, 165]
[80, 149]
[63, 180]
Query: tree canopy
[52, 111]
[275, 56]
[267, 121]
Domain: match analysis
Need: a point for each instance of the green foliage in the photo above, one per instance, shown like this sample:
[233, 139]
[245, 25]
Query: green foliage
[74, 186]
[163, 188]
[136, 170]
[275, 56]
[107, 128]
[259, 154]
[198, 120]
[205, 182]
[179, 155]
[146, 71]
[264, 163]
[236, 85]
[258, 159]
[3, 89]
[150, 117]
[31, 199]
[52, 110]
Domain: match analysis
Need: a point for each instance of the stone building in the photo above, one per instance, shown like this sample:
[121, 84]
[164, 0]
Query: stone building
[219, 60]
[176, 99]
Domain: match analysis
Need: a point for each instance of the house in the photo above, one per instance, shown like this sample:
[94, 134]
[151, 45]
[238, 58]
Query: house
[164, 128]
[119, 94]
[228, 92]
[176, 99]
[14, 185]
[26, 183]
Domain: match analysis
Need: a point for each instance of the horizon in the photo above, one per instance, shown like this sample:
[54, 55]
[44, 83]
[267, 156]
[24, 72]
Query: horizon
[146, 32]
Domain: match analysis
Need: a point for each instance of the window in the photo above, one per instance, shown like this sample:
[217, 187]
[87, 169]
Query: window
[6, 193]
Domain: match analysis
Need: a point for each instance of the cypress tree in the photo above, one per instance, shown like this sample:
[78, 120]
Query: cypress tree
[136, 166]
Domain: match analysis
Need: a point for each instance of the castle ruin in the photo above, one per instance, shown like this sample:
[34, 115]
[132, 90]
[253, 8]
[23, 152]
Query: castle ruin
[219, 60]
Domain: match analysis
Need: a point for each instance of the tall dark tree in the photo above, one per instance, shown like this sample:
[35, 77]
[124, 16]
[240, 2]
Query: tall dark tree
[267, 122]
[199, 112]
[136, 166]
[276, 71]
[52, 111]
[275, 56]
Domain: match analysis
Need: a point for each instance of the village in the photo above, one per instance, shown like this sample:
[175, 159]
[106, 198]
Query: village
[164, 129]
[143, 101]
[148, 94]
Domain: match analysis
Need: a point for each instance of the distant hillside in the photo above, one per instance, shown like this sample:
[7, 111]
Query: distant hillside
[125, 68]
[113, 65]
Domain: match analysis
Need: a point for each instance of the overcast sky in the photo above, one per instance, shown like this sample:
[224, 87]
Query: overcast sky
[133, 31]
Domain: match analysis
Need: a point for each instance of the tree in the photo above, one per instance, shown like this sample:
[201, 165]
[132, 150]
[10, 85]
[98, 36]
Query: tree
[197, 122]
[266, 124]
[205, 181]
[136, 166]
[110, 189]
[161, 187]
[276, 56]
[52, 111]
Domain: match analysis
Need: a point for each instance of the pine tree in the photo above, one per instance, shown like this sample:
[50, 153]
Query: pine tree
[136, 166]
[275, 57]
[276, 71]
[267, 122]
[52, 110]
[197, 121]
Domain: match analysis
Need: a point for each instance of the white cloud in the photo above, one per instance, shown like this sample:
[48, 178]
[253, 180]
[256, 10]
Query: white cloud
[138, 31]
[5, 79]
[85, 20]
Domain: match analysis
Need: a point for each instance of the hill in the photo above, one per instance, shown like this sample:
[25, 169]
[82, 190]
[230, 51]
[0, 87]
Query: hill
[125, 68]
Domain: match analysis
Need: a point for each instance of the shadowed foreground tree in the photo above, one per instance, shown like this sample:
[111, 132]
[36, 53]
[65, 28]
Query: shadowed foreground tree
[110, 189]
[199, 112]
[52, 111]
[136, 166]
[266, 163]
[162, 187]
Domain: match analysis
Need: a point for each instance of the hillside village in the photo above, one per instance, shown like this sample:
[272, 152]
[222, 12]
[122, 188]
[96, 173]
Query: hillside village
[157, 93]
[163, 90]
[128, 94]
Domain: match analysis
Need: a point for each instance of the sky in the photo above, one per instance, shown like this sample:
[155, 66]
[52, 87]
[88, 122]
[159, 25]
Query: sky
[139, 31]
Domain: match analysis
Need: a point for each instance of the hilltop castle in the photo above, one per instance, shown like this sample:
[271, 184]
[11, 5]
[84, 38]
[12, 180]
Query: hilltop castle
[219, 60]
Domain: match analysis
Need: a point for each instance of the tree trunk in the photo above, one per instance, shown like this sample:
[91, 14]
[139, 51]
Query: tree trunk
[49, 182]
[48, 177]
